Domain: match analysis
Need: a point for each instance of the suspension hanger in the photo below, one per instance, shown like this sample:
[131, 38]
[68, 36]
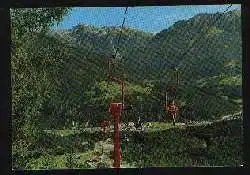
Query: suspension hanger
[120, 80]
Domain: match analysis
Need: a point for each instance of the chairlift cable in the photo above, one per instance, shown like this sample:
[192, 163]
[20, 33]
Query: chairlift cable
[183, 55]
[122, 26]
[124, 22]
[119, 80]
[202, 35]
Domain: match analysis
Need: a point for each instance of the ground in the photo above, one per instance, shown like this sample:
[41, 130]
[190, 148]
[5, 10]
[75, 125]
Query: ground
[216, 143]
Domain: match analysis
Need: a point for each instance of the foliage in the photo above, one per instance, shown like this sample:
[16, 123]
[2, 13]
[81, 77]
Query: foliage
[30, 85]
[190, 145]
[61, 77]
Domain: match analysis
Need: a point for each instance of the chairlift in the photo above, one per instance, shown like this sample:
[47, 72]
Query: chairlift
[170, 104]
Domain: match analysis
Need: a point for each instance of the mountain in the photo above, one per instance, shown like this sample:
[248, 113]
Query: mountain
[60, 84]
[206, 50]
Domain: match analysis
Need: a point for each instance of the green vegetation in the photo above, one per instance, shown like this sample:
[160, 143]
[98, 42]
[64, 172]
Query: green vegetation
[188, 145]
[60, 87]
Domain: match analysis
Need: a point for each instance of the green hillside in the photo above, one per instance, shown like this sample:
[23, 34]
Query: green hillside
[60, 78]
[206, 49]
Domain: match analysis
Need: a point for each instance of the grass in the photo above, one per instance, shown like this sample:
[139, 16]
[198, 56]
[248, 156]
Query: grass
[239, 101]
[197, 144]
[62, 132]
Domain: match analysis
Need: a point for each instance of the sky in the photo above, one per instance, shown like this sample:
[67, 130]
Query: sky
[148, 18]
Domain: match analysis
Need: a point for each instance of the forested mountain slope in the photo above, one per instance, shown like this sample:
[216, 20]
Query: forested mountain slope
[60, 82]
[71, 68]
[206, 49]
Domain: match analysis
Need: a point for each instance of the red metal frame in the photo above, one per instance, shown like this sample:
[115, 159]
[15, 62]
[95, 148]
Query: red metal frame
[172, 109]
[116, 109]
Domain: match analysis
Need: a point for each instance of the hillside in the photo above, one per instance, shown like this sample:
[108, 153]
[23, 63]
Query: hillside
[73, 67]
[206, 49]
[61, 92]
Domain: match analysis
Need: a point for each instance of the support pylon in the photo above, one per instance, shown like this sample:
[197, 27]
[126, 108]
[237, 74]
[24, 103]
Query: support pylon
[116, 109]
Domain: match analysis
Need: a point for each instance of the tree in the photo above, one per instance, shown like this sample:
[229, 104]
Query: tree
[28, 82]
